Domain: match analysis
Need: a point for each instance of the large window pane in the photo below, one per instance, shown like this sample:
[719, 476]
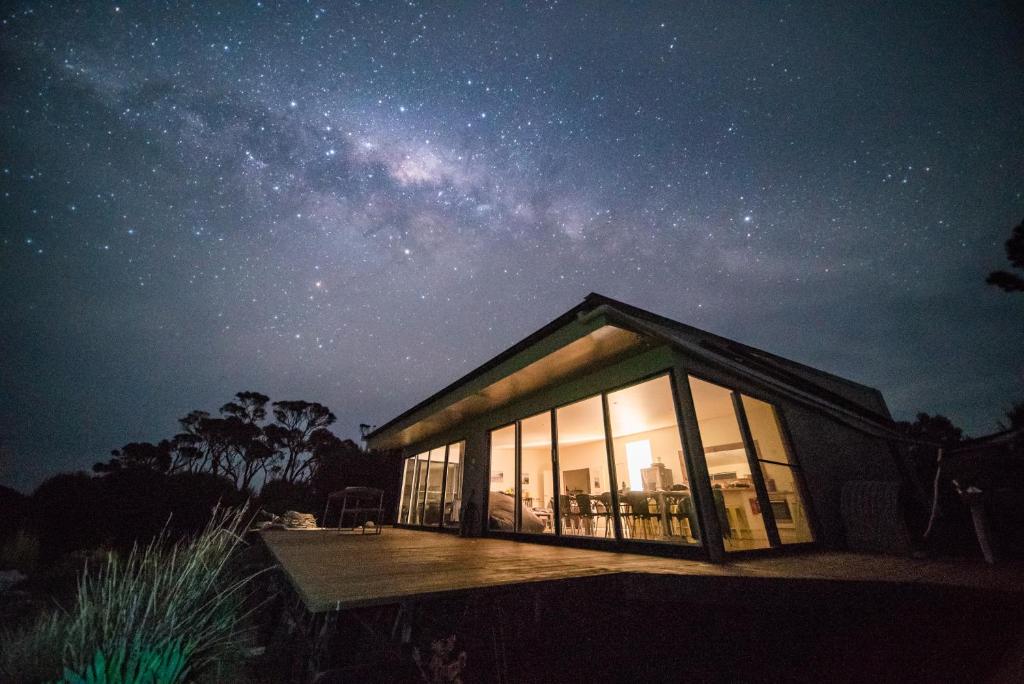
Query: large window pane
[453, 486]
[422, 460]
[501, 509]
[536, 485]
[779, 477]
[435, 474]
[585, 499]
[408, 486]
[739, 512]
[655, 503]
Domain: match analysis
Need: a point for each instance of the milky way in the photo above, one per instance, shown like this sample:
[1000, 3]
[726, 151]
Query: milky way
[358, 204]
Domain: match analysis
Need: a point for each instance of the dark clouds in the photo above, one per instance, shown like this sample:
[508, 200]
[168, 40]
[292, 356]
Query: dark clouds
[357, 204]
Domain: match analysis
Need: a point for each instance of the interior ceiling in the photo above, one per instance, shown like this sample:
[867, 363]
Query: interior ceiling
[594, 350]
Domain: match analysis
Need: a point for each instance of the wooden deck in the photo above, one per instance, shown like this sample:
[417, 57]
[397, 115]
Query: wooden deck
[333, 571]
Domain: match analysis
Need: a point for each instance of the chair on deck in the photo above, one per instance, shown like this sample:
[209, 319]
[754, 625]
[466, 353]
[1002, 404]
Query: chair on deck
[365, 505]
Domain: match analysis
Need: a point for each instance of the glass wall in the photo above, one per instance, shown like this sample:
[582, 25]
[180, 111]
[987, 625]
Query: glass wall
[408, 486]
[585, 503]
[739, 512]
[435, 477]
[422, 460]
[428, 498]
[453, 486]
[536, 481]
[500, 502]
[654, 495]
[781, 480]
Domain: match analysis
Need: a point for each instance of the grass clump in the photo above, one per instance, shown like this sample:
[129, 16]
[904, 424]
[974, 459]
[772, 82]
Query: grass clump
[166, 611]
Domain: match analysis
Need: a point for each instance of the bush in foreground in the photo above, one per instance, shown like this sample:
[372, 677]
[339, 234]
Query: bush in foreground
[174, 608]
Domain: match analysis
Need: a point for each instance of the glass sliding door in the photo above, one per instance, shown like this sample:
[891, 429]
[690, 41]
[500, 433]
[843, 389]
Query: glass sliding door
[408, 486]
[736, 501]
[781, 479]
[435, 477]
[654, 494]
[536, 485]
[585, 502]
[453, 486]
[502, 490]
[422, 461]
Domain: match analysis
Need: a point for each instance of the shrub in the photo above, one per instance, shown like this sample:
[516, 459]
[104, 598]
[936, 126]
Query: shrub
[66, 511]
[153, 600]
[21, 552]
[278, 496]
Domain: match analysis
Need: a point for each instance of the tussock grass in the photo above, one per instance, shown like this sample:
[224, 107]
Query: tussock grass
[180, 596]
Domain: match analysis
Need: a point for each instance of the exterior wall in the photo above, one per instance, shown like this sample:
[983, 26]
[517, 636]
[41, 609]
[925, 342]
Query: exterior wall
[832, 454]
[829, 452]
[476, 475]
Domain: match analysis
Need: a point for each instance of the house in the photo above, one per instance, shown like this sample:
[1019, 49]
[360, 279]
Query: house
[616, 428]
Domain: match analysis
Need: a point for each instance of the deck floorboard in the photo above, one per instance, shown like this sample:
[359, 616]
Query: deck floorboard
[336, 571]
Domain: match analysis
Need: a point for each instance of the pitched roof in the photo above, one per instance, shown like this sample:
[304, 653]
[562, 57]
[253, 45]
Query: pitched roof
[804, 383]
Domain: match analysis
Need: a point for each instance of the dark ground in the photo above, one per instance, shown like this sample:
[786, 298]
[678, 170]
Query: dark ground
[637, 628]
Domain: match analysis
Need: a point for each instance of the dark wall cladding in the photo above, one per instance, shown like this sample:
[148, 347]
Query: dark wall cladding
[832, 454]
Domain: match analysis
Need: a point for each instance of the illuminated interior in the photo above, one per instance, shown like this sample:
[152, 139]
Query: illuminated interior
[431, 487]
[654, 494]
[780, 478]
[641, 492]
[584, 499]
[536, 478]
[502, 490]
[742, 512]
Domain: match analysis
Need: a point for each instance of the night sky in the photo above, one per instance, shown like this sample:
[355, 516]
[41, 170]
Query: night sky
[358, 204]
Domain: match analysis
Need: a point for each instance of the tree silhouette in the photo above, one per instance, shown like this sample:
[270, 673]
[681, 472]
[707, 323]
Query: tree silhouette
[138, 455]
[249, 451]
[1011, 282]
[1014, 417]
[299, 427]
[937, 429]
[238, 445]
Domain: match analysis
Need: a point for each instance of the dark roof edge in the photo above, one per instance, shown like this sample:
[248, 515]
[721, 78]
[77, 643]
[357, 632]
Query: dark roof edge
[519, 346]
[669, 322]
[592, 301]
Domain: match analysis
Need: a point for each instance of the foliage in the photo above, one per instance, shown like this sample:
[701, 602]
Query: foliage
[134, 664]
[1005, 280]
[75, 511]
[443, 666]
[1014, 417]
[937, 429]
[163, 594]
[300, 426]
[278, 496]
[21, 552]
[237, 444]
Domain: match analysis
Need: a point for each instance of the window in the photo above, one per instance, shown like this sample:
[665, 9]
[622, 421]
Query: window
[422, 460]
[740, 514]
[453, 486]
[432, 487]
[408, 486]
[435, 476]
[536, 483]
[654, 498]
[780, 478]
[500, 508]
[585, 503]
